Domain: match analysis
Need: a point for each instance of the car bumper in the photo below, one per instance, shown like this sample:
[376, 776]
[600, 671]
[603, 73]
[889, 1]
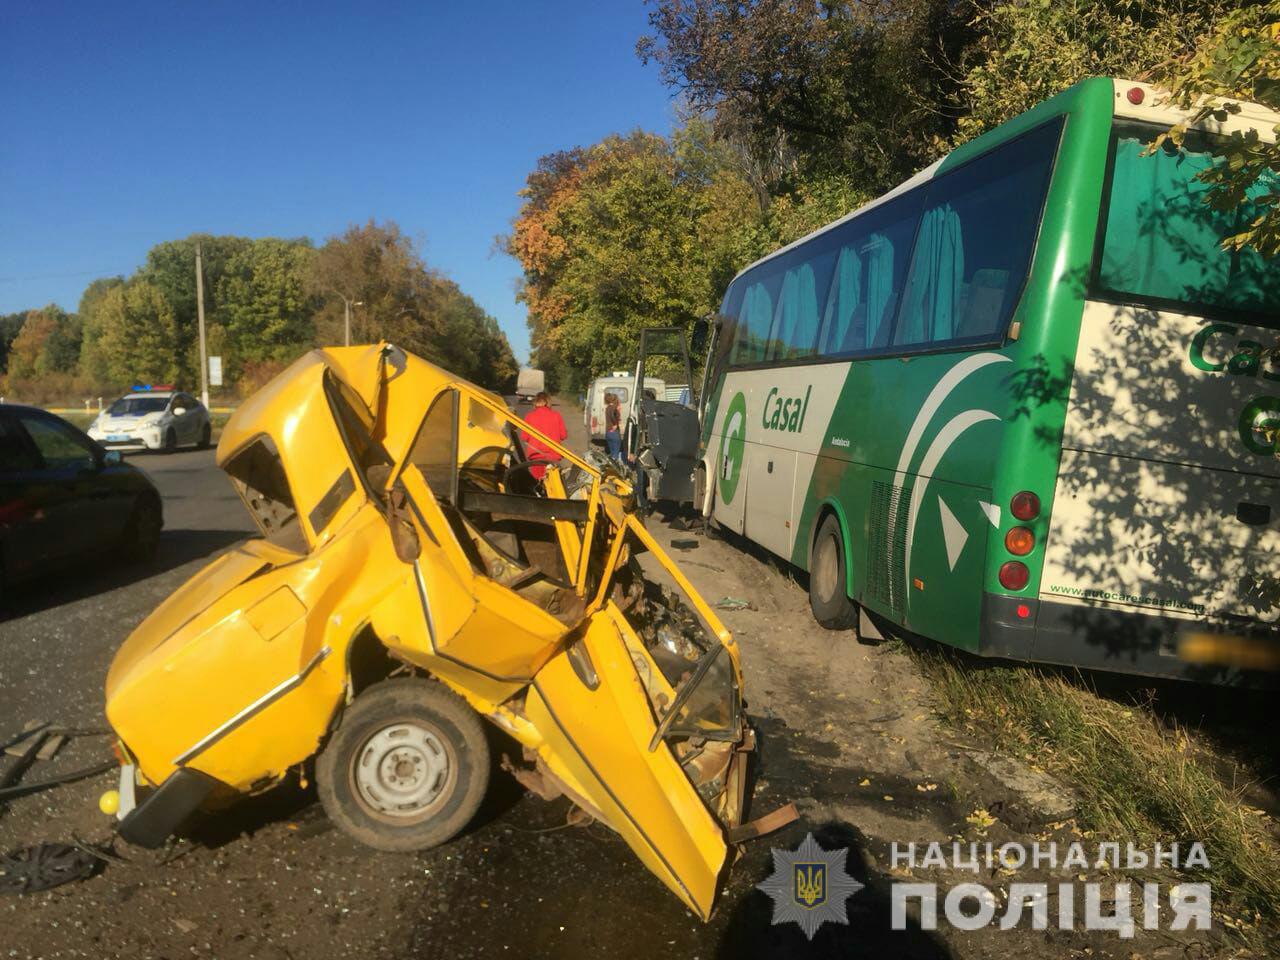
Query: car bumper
[1118, 639]
[150, 823]
[127, 441]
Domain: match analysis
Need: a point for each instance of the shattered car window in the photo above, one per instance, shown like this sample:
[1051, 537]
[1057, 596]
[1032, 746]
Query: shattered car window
[706, 704]
[259, 478]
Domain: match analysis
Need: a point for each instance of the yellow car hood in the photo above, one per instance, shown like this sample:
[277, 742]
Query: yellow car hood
[195, 597]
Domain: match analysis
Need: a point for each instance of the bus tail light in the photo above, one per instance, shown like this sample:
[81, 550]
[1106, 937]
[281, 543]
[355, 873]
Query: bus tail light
[1135, 95]
[1019, 541]
[1025, 505]
[1014, 575]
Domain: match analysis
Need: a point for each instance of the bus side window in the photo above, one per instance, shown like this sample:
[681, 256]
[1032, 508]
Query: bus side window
[974, 245]
[756, 317]
[804, 287]
[868, 278]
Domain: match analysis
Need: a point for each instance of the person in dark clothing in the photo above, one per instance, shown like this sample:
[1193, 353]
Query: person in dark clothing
[613, 426]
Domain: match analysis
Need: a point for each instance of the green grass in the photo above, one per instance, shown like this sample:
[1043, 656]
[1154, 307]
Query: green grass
[1138, 780]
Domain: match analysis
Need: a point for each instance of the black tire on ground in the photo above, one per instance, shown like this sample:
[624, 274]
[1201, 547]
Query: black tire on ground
[407, 767]
[142, 531]
[170, 441]
[828, 600]
[206, 435]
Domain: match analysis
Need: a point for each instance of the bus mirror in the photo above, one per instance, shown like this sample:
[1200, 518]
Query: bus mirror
[698, 335]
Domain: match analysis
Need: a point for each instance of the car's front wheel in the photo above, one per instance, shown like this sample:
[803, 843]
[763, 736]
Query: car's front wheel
[170, 440]
[142, 533]
[407, 767]
[206, 435]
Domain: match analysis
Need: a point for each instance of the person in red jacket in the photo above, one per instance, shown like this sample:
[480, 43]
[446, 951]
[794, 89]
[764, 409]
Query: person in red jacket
[546, 421]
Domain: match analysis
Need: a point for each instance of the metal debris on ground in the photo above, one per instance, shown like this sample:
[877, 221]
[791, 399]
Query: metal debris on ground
[684, 544]
[44, 866]
[733, 603]
[39, 741]
[708, 566]
[22, 742]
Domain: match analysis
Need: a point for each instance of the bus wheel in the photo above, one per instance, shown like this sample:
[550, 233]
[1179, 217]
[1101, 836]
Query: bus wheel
[831, 606]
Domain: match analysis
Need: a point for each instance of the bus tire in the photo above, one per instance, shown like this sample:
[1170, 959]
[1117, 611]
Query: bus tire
[828, 600]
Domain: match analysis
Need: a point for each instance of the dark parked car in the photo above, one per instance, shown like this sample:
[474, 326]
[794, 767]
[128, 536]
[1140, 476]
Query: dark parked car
[63, 498]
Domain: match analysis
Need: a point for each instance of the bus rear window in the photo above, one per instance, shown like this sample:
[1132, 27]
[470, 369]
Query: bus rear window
[1162, 243]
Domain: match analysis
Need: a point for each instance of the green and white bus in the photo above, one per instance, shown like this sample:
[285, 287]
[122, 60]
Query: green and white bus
[1015, 405]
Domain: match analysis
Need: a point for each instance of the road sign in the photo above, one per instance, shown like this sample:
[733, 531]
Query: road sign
[215, 371]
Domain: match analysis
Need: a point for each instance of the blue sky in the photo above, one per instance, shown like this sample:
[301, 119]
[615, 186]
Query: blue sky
[127, 124]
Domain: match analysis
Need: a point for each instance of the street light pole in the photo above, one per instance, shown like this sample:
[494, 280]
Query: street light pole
[204, 353]
[346, 319]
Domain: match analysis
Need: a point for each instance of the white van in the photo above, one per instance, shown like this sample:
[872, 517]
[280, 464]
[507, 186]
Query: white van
[620, 384]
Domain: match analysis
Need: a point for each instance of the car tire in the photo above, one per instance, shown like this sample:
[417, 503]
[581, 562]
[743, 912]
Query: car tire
[206, 436]
[142, 532]
[407, 767]
[828, 600]
[170, 440]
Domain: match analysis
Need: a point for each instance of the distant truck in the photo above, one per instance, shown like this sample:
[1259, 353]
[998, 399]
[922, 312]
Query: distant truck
[530, 383]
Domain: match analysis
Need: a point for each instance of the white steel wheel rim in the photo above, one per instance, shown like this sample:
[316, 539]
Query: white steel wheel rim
[403, 771]
[826, 567]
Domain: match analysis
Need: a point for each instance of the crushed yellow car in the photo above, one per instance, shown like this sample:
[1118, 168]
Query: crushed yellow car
[412, 578]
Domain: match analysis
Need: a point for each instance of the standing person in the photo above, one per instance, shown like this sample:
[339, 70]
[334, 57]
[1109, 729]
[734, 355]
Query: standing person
[613, 426]
[549, 423]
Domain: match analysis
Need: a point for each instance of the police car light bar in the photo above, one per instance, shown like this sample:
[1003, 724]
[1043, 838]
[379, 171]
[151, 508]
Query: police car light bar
[144, 387]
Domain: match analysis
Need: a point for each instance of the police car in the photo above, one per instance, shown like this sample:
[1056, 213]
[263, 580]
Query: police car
[153, 418]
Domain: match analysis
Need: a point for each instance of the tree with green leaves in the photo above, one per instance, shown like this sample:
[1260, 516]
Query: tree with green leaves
[48, 342]
[170, 268]
[92, 364]
[1026, 51]
[633, 232]
[138, 335]
[265, 309]
[1237, 60]
[10, 327]
[378, 267]
[816, 91]
[401, 299]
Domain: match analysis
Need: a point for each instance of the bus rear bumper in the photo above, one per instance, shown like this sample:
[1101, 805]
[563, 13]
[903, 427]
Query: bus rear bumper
[1116, 639]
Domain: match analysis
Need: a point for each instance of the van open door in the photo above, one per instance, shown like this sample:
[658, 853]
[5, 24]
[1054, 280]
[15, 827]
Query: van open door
[662, 434]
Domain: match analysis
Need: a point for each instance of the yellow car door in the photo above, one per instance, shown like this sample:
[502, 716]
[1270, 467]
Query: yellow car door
[597, 728]
[606, 736]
